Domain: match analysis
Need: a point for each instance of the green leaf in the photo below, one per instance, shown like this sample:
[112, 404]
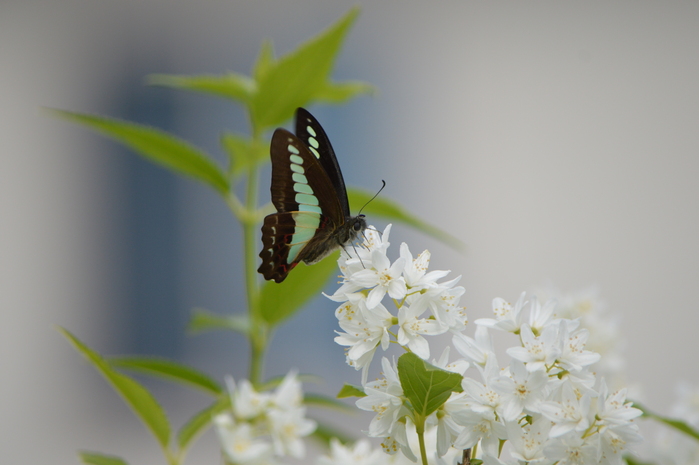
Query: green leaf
[280, 301]
[231, 85]
[318, 400]
[136, 396]
[200, 422]
[204, 320]
[339, 93]
[95, 458]
[350, 390]
[168, 369]
[392, 211]
[633, 461]
[265, 61]
[157, 146]
[426, 386]
[324, 433]
[679, 425]
[296, 78]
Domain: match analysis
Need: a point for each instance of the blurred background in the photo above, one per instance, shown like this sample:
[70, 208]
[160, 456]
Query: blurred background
[557, 140]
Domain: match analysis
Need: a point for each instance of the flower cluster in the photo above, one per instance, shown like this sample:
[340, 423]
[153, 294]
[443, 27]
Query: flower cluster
[546, 405]
[368, 276]
[261, 426]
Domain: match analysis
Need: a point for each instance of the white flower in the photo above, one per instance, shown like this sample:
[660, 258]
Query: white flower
[443, 301]
[540, 315]
[567, 412]
[520, 390]
[478, 350]
[356, 259]
[287, 427]
[457, 366]
[415, 272]
[246, 402]
[573, 356]
[507, 317]
[539, 353]
[528, 440]
[364, 331]
[361, 453]
[239, 444]
[383, 397]
[484, 428]
[289, 394]
[411, 329]
[382, 278]
[572, 450]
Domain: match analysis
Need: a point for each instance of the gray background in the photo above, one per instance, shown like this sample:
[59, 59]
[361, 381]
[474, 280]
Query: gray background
[557, 140]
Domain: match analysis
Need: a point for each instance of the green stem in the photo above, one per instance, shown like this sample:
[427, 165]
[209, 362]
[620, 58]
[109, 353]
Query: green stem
[259, 330]
[420, 429]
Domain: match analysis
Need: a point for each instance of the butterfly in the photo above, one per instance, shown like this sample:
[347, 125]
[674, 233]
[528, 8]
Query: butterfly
[313, 216]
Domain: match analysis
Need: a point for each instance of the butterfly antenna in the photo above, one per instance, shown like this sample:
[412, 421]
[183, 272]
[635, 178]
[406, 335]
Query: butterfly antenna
[375, 195]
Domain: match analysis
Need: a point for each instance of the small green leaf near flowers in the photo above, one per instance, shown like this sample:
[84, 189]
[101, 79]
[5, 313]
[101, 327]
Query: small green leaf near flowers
[350, 390]
[426, 386]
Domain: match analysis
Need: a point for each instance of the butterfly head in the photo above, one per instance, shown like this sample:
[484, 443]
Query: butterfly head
[356, 226]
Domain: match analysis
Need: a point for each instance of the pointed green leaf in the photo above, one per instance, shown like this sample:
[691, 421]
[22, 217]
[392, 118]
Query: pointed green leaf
[296, 78]
[679, 425]
[344, 91]
[136, 396]
[426, 386]
[265, 61]
[392, 211]
[231, 85]
[319, 400]
[95, 458]
[280, 301]
[168, 369]
[634, 461]
[157, 146]
[350, 390]
[200, 422]
[204, 320]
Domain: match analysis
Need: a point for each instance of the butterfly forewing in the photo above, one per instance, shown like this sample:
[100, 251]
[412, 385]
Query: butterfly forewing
[311, 133]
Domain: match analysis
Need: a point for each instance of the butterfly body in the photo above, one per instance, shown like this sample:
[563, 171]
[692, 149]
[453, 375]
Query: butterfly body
[308, 191]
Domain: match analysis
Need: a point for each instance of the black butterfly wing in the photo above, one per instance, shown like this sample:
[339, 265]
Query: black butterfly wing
[308, 210]
[311, 133]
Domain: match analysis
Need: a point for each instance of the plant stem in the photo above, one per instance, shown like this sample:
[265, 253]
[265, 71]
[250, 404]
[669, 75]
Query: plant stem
[258, 334]
[420, 429]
